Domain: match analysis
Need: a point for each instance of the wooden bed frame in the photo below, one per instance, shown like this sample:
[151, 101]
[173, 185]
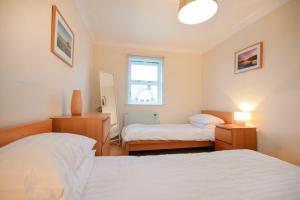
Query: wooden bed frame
[11, 134]
[144, 145]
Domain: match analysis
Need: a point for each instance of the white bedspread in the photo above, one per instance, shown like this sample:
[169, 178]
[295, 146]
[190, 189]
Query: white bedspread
[186, 132]
[227, 175]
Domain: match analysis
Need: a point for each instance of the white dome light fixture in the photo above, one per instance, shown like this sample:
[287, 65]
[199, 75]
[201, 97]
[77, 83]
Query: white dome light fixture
[196, 11]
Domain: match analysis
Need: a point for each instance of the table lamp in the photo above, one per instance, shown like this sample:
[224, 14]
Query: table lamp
[241, 118]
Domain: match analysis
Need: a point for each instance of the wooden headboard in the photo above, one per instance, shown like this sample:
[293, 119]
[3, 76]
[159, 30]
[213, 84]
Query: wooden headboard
[11, 134]
[226, 116]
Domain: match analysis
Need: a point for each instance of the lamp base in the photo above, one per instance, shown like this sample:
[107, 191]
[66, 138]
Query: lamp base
[240, 123]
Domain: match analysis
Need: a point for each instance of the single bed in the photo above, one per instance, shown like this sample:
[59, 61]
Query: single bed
[142, 137]
[223, 175]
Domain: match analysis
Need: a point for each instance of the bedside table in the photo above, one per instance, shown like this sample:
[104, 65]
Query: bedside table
[231, 136]
[93, 125]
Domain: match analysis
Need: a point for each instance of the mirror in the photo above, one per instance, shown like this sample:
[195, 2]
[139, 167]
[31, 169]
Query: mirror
[109, 103]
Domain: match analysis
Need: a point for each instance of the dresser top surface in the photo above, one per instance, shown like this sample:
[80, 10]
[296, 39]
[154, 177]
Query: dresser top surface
[102, 116]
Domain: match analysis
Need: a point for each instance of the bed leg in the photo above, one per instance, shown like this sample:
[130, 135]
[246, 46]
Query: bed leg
[125, 153]
[125, 150]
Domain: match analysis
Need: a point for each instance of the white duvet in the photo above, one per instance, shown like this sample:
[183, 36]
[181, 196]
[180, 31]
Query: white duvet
[227, 175]
[186, 132]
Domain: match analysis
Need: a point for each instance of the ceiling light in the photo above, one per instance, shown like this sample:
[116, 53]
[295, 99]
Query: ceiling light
[196, 11]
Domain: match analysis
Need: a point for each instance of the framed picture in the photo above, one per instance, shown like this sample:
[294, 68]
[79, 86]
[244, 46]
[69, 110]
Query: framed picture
[62, 38]
[249, 58]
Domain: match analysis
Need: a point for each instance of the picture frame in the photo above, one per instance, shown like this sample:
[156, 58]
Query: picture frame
[62, 38]
[249, 58]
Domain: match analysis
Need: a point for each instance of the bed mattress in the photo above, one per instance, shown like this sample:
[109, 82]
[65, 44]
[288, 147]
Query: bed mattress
[184, 132]
[225, 175]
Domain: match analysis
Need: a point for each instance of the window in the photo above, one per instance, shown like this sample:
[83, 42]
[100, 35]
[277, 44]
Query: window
[144, 80]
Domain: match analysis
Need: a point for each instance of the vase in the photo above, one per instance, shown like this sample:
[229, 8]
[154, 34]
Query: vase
[76, 103]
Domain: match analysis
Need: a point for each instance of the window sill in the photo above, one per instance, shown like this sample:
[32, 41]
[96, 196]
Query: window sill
[130, 104]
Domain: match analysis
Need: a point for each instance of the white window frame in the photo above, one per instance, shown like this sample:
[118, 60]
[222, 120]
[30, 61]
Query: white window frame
[159, 83]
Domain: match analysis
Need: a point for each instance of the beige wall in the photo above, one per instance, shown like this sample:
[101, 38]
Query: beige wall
[35, 84]
[273, 90]
[182, 78]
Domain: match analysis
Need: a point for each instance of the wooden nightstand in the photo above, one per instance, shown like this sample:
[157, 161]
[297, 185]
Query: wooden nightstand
[95, 125]
[230, 136]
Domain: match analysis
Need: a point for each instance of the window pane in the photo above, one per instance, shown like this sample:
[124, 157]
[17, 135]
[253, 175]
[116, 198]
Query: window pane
[141, 94]
[144, 72]
[145, 81]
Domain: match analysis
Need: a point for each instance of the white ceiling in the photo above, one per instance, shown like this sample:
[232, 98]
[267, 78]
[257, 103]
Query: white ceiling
[153, 24]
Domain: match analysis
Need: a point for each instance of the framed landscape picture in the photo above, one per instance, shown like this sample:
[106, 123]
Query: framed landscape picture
[62, 38]
[249, 58]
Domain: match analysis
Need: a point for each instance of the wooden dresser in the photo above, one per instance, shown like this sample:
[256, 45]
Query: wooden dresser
[230, 136]
[96, 126]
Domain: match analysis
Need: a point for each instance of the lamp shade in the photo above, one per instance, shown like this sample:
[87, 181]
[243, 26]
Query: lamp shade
[76, 103]
[196, 11]
[242, 116]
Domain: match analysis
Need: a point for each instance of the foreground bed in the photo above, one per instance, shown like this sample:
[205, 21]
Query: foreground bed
[235, 174]
[62, 166]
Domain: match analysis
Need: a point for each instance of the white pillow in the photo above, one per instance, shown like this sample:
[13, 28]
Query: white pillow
[205, 119]
[203, 126]
[43, 166]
